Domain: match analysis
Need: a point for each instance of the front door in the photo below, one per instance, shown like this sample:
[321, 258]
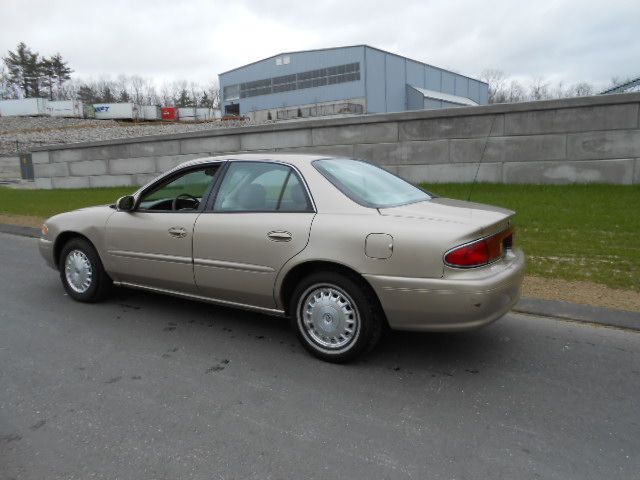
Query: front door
[260, 219]
[152, 245]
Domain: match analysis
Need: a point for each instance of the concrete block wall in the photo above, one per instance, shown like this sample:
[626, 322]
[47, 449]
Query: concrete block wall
[10, 167]
[591, 139]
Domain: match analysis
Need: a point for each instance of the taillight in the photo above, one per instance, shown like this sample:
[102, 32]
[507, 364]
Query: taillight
[480, 252]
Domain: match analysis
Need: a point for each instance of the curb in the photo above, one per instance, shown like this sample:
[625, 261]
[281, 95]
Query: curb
[532, 306]
[608, 317]
[20, 230]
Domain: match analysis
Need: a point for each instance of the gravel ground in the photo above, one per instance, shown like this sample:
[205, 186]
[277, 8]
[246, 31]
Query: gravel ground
[585, 293]
[21, 134]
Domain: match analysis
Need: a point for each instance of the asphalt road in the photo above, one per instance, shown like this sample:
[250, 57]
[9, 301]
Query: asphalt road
[151, 387]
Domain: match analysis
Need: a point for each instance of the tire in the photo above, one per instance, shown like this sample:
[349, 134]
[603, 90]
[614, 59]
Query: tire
[336, 316]
[82, 273]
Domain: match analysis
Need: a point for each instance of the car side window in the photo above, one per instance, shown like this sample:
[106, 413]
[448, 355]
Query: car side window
[261, 187]
[184, 193]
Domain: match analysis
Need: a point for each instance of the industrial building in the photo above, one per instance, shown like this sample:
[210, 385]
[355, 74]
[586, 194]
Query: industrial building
[344, 80]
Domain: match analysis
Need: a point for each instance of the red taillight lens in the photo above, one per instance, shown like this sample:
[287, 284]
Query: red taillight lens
[481, 252]
[470, 255]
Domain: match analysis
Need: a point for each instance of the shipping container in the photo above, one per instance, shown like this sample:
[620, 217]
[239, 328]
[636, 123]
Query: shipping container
[169, 114]
[116, 111]
[193, 114]
[65, 108]
[26, 107]
[150, 112]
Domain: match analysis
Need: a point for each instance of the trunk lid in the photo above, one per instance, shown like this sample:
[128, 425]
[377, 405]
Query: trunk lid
[481, 218]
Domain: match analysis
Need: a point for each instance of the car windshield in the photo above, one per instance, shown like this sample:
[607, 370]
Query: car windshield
[369, 185]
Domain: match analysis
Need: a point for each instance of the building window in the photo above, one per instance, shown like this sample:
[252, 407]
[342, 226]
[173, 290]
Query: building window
[232, 92]
[296, 81]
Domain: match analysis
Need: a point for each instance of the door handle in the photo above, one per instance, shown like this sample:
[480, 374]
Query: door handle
[279, 236]
[177, 232]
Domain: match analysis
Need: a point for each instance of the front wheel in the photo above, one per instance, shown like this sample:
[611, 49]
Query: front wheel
[82, 273]
[335, 316]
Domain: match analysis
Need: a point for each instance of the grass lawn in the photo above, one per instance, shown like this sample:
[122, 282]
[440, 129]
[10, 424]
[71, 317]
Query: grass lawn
[573, 232]
[45, 203]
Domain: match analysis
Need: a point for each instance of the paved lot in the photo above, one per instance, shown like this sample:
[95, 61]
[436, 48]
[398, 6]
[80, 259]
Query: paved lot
[145, 386]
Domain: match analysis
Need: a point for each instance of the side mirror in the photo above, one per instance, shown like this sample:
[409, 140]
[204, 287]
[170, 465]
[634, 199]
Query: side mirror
[126, 203]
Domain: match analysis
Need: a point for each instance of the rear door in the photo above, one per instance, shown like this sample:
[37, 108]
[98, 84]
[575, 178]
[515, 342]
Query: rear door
[261, 218]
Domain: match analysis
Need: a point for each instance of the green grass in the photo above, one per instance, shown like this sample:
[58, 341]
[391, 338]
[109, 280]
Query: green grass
[574, 232]
[45, 203]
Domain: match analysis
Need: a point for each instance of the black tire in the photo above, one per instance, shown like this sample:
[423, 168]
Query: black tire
[99, 285]
[333, 286]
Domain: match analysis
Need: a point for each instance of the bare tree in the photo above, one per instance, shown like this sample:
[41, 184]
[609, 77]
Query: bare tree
[539, 89]
[137, 87]
[515, 93]
[497, 81]
[581, 89]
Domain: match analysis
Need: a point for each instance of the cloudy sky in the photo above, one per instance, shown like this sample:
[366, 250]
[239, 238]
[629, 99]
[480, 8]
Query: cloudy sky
[197, 39]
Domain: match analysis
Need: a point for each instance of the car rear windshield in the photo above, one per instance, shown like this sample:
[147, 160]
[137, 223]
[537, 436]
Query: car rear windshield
[369, 185]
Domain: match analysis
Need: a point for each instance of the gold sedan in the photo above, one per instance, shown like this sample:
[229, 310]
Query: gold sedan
[340, 246]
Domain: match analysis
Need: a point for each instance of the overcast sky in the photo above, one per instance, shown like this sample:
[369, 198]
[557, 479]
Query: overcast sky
[195, 40]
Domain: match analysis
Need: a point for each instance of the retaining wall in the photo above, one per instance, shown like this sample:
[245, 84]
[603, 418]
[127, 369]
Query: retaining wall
[591, 139]
[10, 167]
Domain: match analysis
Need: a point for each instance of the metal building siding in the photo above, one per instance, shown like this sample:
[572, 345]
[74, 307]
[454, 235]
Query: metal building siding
[395, 83]
[375, 80]
[433, 78]
[300, 62]
[484, 94]
[462, 86]
[474, 90]
[415, 99]
[415, 74]
[448, 83]
[383, 80]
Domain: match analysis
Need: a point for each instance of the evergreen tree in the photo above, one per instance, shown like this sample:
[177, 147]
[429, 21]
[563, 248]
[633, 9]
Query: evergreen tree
[25, 69]
[107, 96]
[124, 97]
[61, 70]
[86, 94]
[49, 75]
[184, 100]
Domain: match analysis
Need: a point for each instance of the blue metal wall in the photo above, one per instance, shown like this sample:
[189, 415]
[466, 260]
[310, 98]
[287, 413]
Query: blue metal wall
[383, 80]
[388, 74]
[300, 62]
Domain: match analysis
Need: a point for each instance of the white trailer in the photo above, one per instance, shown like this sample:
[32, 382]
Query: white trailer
[26, 107]
[193, 114]
[150, 112]
[66, 108]
[116, 111]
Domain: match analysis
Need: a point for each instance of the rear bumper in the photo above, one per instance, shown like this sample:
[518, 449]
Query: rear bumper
[46, 250]
[474, 298]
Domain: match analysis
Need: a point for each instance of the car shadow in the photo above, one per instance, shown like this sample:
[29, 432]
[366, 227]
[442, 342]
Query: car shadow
[443, 353]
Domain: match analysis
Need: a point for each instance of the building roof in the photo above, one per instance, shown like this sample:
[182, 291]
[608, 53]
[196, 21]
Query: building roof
[348, 46]
[447, 97]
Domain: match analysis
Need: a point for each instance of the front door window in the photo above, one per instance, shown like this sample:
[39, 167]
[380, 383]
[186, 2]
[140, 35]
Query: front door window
[184, 193]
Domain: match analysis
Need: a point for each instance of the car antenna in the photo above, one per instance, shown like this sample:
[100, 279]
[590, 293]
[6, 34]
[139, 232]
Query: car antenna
[484, 148]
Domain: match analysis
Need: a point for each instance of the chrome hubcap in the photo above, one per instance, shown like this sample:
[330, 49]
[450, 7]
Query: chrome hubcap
[329, 316]
[78, 271]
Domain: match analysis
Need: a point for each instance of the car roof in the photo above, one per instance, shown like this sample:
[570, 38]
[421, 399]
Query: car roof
[294, 158]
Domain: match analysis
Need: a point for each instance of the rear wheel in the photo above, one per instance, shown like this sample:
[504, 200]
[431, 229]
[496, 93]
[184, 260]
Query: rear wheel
[82, 273]
[335, 316]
